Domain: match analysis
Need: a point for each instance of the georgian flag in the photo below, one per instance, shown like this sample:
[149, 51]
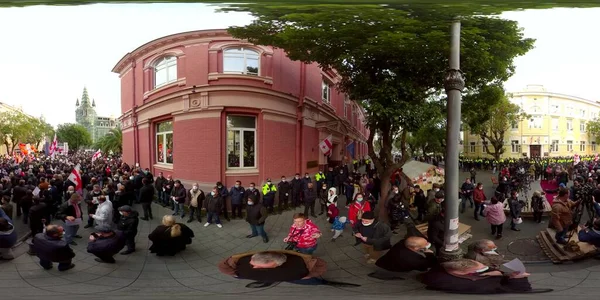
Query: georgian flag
[96, 155]
[53, 147]
[576, 159]
[76, 179]
[326, 145]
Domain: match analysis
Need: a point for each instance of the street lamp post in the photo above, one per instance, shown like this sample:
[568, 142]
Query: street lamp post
[454, 83]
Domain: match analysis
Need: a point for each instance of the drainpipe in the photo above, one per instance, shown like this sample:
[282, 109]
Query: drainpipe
[136, 145]
[299, 122]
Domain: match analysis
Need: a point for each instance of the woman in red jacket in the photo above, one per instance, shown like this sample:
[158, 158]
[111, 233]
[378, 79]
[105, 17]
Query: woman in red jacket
[479, 198]
[358, 208]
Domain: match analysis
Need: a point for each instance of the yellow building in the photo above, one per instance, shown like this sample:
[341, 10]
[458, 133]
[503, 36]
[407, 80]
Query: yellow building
[3, 108]
[556, 127]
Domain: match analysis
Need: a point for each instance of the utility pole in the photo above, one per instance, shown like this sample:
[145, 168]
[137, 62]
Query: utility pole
[454, 83]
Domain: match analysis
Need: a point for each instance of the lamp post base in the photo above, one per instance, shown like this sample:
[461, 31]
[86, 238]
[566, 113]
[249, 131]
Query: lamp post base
[445, 256]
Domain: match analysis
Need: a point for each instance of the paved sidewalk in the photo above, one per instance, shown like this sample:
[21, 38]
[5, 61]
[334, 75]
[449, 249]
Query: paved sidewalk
[193, 273]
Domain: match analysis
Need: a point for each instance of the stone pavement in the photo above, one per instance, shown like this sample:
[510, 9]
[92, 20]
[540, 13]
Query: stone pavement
[193, 273]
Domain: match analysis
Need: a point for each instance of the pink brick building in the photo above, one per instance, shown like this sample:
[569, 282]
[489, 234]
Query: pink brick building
[206, 107]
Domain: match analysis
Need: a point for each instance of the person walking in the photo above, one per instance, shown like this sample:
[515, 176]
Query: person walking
[256, 215]
[479, 198]
[128, 224]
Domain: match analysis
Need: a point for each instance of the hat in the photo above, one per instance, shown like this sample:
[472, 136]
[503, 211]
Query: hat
[125, 208]
[103, 228]
[369, 215]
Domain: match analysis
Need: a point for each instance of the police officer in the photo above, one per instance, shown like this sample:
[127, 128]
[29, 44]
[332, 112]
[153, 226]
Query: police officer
[269, 191]
[284, 188]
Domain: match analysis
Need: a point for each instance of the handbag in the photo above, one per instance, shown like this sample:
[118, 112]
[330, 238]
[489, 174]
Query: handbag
[517, 220]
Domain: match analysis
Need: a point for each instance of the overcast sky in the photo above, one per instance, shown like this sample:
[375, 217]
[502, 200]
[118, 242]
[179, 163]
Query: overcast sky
[50, 53]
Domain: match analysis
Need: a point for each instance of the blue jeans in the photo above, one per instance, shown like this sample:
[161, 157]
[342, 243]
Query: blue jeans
[178, 207]
[211, 215]
[307, 250]
[478, 209]
[560, 235]
[70, 232]
[258, 229]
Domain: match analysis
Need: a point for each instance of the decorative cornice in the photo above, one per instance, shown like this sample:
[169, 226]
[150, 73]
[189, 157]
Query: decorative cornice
[217, 76]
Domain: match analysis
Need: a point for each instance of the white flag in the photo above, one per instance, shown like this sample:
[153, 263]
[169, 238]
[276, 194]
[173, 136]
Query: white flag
[96, 155]
[326, 145]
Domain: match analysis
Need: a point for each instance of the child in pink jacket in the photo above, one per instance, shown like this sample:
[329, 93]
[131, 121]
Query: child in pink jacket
[494, 213]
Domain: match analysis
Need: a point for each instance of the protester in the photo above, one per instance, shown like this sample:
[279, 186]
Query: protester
[195, 199]
[105, 243]
[374, 236]
[256, 215]
[103, 213]
[170, 237]
[213, 205]
[494, 213]
[412, 253]
[484, 251]
[303, 235]
[128, 224]
[50, 247]
[146, 198]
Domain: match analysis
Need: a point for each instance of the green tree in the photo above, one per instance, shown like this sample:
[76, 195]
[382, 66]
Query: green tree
[111, 142]
[75, 135]
[39, 129]
[491, 125]
[593, 129]
[391, 61]
[15, 128]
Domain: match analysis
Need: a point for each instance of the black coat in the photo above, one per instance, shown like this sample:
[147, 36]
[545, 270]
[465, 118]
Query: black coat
[67, 210]
[107, 245]
[36, 214]
[310, 195]
[164, 244]
[435, 231]
[438, 279]
[256, 214]
[381, 235]
[402, 259]
[129, 224]
[179, 193]
[47, 248]
[213, 203]
[147, 193]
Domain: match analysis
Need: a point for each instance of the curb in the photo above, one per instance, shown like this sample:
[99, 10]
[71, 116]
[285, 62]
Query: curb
[22, 240]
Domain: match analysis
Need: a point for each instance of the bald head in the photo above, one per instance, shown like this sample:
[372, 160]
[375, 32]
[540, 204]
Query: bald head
[416, 243]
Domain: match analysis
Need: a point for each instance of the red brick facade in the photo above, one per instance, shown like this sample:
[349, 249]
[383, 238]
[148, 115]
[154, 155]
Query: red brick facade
[187, 79]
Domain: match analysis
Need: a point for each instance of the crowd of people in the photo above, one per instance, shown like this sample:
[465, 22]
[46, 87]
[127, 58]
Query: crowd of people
[51, 205]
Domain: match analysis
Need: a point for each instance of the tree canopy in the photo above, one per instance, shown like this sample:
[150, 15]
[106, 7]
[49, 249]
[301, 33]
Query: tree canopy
[491, 124]
[391, 61]
[111, 142]
[75, 135]
[17, 127]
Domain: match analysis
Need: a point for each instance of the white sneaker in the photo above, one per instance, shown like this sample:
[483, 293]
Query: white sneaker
[219, 225]
[206, 224]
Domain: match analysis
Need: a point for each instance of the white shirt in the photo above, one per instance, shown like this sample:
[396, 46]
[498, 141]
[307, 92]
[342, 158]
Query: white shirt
[104, 213]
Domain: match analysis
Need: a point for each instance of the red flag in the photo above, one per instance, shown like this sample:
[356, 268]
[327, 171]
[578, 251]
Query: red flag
[326, 145]
[76, 178]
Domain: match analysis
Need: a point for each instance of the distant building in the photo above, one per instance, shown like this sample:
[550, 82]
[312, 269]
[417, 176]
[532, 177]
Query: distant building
[85, 115]
[556, 127]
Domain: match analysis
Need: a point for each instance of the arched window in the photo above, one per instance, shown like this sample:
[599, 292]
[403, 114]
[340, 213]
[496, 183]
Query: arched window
[241, 61]
[165, 71]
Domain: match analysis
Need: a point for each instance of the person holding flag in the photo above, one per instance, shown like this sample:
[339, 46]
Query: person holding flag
[96, 155]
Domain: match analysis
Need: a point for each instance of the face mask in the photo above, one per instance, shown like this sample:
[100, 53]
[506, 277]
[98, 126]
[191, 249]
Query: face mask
[195, 188]
[250, 203]
[481, 188]
[237, 186]
[219, 186]
[427, 247]
[367, 224]
[252, 188]
[283, 180]
[396, 192]
[437, 190]
[306, 176]
[320, 172]
[324, 187]
[297, 177]
[359, 199]
[268, 182]
[491, 252]
[95, 201]
[121, 213]
[130, 177]
[212, 193]
[341, 172]
[482, 270]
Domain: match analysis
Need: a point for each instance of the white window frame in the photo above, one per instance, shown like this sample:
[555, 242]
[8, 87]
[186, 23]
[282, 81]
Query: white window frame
[554, 108]
[165, 64]
[593, 146]
[569, 145]
[569, 124]
[326, 91]
[472, 147]
[581, 126]
[555, 124]
[241, 130]
[535, 122]
[236, 52]
[554, 145]
[582, 146]
[570, 111]
[582, 113]
[164, 143]
[515, 147]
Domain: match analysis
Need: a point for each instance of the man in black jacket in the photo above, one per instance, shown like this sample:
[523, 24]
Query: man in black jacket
[128, 224]
[70, 212]
[50, 247]
[310, 197]
[435, 231]
[374, 236]
[146, 196]
[105, 243]
[412, 253]
[158, 185]
[297, 188]
[284, 189]
[256, 215]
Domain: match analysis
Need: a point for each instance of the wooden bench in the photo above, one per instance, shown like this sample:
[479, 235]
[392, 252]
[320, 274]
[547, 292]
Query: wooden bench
[557, 253]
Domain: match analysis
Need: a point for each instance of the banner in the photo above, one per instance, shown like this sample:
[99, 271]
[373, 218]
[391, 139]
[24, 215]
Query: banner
[326, 145]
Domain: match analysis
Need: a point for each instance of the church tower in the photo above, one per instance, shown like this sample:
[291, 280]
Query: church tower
[85, 113]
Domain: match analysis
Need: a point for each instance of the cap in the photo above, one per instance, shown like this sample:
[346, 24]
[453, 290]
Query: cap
[369, 215]
[103, 228]
[125, 208]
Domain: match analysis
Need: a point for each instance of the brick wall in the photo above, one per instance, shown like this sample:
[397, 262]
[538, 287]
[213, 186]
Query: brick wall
[279, 149]
[128, 148]
[197, 149]
[310, 148]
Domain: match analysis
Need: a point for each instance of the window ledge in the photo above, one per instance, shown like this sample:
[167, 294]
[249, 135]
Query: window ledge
[163, 166]
[178, 82]
[244, 171]
[217, 76]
